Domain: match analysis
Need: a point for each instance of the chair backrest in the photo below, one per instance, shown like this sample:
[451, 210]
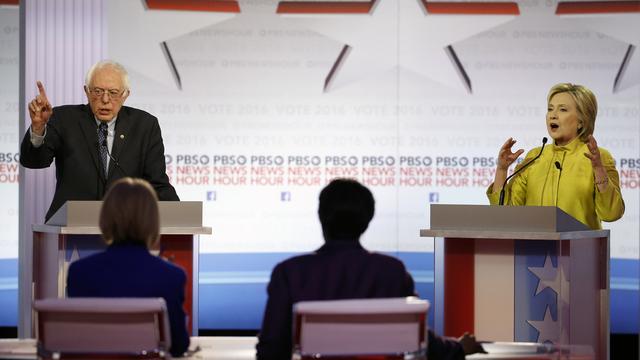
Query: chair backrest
[360, 327]
[95, 327]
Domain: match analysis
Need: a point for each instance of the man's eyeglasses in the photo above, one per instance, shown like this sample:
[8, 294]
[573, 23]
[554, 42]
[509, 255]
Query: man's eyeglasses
[114, 94]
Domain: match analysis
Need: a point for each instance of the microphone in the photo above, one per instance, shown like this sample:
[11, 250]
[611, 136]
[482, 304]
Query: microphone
[501, 202]
[117, 164]
[557, 164]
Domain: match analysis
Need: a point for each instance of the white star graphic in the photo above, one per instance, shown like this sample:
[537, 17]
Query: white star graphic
[547, 276]
[399, 33]
[137, 36]
[548, 329]
[621, 26]
[539, 37]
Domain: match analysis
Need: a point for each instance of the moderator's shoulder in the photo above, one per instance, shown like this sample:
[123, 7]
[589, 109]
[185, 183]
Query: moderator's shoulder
[168, 268]
[295, 260]
[295, 263]
[387, 259]
[88, 262]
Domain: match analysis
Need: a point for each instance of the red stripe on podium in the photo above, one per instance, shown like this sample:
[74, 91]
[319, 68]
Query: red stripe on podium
[178, 249]
[459, 286]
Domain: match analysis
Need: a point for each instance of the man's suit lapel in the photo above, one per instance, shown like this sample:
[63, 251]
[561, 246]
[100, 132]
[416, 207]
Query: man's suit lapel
[90, 132]
[123, 124]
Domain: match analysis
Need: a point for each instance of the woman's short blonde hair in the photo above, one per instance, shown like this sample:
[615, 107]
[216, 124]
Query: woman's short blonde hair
[586, 104]
[129, 213]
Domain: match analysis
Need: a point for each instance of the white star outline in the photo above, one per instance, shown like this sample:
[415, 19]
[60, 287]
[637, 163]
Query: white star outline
[379, 41]
[137, 36]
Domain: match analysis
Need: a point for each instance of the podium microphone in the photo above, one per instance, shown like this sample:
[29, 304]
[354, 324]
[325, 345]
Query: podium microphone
[116, 163]
[557, 164]
[544, 141]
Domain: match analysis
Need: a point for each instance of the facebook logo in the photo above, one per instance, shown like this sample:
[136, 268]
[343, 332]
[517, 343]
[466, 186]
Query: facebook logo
[211, 196]
[434, 197]
[285, 196]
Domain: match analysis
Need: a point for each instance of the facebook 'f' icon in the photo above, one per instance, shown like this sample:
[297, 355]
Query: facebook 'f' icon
[285, 196]
[211, 196]
[434, 197]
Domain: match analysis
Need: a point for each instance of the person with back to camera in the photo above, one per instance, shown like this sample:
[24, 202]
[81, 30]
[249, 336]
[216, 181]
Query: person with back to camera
[130, 225]
[97, 143]
[574, 174]
[341, 269]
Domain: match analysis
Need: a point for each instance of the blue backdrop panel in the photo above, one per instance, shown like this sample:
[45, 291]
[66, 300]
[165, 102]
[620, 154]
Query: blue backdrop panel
[233, 287]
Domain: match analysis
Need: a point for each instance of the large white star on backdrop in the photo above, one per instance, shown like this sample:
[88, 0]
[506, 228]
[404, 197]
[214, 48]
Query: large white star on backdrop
[137, 36]
[399, 33]
[623, 26]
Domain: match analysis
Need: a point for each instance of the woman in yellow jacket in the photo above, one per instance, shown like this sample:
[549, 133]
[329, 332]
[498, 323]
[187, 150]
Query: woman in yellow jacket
[573, 173]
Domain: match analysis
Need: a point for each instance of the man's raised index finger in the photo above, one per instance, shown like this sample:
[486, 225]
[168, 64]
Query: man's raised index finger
[41, 90]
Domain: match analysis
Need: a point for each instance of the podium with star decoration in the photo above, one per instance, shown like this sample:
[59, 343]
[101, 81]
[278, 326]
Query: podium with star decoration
[73, 233]
[520, 274]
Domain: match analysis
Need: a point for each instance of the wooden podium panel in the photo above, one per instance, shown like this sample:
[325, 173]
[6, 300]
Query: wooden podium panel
[524, 274]
[73, 233]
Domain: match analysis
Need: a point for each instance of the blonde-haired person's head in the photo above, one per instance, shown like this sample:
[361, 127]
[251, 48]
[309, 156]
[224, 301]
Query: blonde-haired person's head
[130, 214]
[586, 105]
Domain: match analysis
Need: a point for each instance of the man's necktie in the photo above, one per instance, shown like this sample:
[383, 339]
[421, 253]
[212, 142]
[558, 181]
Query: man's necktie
[102, 145]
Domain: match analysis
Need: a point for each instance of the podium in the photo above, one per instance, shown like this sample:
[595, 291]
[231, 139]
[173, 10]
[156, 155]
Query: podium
[520, 274]
[73, 233]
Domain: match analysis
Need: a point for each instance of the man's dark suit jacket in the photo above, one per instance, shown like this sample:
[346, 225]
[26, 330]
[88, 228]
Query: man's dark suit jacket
[131, 271]
[72, 139]
[338, 270]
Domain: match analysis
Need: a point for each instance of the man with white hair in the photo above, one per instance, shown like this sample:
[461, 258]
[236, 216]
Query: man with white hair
[97, 143]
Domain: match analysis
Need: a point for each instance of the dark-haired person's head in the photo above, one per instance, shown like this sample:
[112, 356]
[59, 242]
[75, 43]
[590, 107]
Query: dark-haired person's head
[129, 213]
[345, 210]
